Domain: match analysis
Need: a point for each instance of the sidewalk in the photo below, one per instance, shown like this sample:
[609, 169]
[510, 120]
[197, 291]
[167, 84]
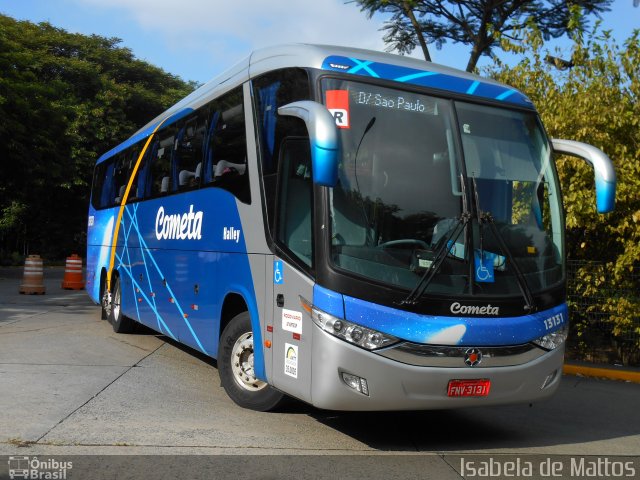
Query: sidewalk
[610, 372]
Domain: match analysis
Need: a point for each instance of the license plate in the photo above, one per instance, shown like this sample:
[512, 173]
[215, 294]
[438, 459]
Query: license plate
[469, 388]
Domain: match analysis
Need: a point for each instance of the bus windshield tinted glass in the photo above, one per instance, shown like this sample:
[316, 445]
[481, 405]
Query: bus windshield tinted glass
[509, 164]
[400, 192]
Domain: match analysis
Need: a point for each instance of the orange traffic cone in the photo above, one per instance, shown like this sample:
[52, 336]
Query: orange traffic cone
[73, 274]
[32, 281]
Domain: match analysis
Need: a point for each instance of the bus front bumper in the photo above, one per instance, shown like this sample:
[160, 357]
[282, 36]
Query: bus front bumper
[393, 385]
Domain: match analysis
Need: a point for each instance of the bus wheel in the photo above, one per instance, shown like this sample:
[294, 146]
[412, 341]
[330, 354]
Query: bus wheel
[236, 368]
[105, 298]
[119, 322]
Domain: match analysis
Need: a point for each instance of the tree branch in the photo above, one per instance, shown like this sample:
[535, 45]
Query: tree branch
[420, 36]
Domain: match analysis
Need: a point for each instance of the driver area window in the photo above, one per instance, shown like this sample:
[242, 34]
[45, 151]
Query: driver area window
[295, 199]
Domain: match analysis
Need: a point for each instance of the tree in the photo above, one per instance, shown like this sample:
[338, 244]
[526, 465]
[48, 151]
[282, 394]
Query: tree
[64, 100]
[482, 24]
[596, 101]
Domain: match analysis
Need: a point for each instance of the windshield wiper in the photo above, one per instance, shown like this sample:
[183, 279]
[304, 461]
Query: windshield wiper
[369, 240]
[486, 217]
[442, 253]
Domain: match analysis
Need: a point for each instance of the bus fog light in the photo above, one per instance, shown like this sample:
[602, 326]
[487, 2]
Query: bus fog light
[364, 388]
[357, 383]
[553, 340]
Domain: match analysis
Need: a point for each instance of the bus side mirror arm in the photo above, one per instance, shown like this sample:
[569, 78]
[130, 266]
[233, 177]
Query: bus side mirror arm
[605, 174]
[323, 136]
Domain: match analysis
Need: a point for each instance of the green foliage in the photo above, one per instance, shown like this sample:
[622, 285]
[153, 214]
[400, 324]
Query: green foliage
[64, 100]
[484, 25]
[597, 101]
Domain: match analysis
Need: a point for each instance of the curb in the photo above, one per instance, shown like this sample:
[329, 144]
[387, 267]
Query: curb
[608, 373]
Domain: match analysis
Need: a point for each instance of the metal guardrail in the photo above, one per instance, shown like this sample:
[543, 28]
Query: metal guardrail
[602, 331]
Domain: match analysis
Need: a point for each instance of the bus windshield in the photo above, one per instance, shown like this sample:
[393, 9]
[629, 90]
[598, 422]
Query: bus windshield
[413, 166]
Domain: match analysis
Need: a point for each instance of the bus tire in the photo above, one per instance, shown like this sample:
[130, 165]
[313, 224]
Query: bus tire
[105, 301]
[235, 366]
[120, 322]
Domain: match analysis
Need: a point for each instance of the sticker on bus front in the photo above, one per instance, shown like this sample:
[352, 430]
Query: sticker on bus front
[338, 105]
[484, 267]
[291, 360]
[278, 272]
[292, 321]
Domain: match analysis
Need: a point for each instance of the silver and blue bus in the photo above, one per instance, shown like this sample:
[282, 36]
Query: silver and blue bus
[354, 229]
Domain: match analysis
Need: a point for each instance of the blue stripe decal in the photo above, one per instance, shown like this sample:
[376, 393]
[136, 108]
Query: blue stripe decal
[168, 287]
[363, 65]
[145, 252]
[151, 304]
[415, 76]
[504, 95]
[473, 87]
[426, 78]
[136, 285]
[127, 232]
[154, 307]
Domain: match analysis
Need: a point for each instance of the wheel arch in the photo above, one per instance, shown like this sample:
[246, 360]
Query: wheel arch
[235, 302]
[103, 280]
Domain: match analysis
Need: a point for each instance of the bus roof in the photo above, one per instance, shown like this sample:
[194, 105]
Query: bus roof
[354, 61]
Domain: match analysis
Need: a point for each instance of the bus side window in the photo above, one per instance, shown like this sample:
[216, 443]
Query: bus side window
[103, 189]
[161, 175]
[120, 177]
[112, 177]
[295, 199]
[189, 152]
[226, 150]
[143, 180]
[131, 155]
[271, 91]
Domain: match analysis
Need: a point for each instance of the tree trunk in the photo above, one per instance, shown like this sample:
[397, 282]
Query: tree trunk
[416, 26]
[473, 59]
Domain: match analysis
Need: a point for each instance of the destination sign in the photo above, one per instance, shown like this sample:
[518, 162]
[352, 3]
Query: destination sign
[397, 101]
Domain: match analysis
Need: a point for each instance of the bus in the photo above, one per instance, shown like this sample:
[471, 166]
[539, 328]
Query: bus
[354, 229]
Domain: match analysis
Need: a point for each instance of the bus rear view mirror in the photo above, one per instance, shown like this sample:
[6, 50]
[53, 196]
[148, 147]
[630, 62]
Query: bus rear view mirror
[605, 174]
[323, 137]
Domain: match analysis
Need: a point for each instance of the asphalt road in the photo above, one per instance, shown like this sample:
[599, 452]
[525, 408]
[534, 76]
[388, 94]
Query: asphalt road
[70, 386]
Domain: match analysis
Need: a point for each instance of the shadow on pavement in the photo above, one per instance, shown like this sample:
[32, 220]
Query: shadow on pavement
[582, 411]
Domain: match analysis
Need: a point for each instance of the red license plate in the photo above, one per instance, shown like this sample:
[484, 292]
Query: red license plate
[469, 388]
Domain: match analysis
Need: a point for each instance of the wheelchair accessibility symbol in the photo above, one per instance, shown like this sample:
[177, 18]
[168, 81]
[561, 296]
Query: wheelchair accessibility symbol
[278, 272]
[484, 267]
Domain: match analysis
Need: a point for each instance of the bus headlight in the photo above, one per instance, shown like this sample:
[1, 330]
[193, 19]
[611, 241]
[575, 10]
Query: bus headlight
[553, 340]
[353, 333]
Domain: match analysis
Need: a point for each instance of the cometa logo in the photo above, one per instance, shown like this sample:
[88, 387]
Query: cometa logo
[458, 309]
[186, 226]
